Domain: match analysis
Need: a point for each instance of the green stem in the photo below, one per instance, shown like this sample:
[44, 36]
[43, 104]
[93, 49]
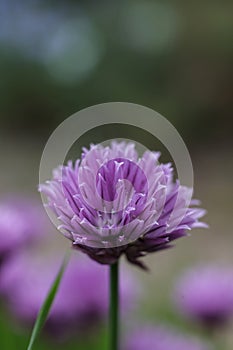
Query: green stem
[218, 338]
[114, 307]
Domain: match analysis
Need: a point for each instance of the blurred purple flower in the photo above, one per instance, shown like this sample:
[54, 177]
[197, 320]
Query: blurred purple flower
[82, 298]
[205, 293]
[161, 338]
[21, 222]
[130, 222]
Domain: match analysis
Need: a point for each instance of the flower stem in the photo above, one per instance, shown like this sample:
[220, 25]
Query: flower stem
[114, 307]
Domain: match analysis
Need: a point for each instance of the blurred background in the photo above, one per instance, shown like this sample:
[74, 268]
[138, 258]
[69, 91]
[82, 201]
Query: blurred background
[57, 57]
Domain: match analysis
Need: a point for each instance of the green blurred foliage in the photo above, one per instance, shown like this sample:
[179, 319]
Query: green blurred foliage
[14, 336]
[173, 56]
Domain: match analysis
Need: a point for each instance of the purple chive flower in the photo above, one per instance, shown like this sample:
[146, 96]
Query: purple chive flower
[21, 222]
[111, 202]
[82, 298]
[205, 293]
[162, 338]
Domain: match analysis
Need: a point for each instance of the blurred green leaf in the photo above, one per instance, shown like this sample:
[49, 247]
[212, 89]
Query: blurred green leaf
[44, 311]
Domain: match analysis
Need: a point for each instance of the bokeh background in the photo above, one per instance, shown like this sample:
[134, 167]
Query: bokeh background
[57, 57]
